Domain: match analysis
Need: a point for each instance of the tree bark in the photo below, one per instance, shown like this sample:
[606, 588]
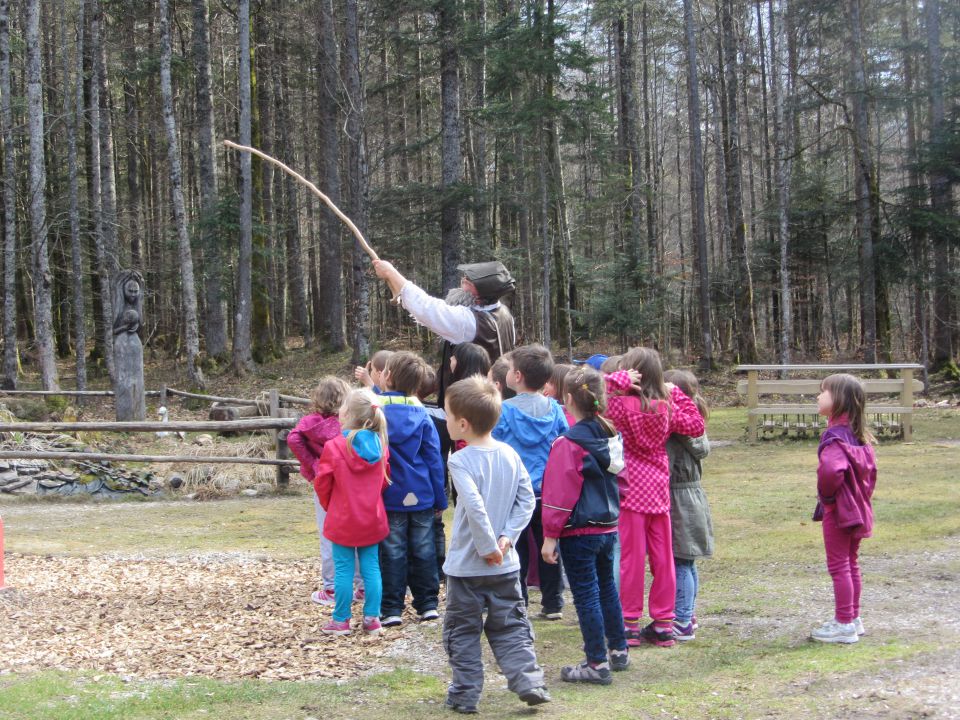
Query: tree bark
[451, 242]
[242, 353]
[187, 285]
[10, 358]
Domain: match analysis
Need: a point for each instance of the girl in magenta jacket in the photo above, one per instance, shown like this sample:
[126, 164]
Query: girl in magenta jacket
[306, 442]
[846, 478]
[351, 476]
[647, 411]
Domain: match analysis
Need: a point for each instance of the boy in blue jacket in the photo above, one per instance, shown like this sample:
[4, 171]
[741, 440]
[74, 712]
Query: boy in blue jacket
[529, 423]
[408, 555]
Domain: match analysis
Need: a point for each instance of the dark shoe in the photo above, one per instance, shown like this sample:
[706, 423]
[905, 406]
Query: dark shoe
[659, 636]
[619, 660]
[683, 633]
[587, 673]
[462, 709]
[634, 637]
[550, 615]
[535, 696]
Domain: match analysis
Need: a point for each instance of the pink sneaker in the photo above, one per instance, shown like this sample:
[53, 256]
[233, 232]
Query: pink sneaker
[359, 595]
[323, 597]
[371, 625]
[336, 628]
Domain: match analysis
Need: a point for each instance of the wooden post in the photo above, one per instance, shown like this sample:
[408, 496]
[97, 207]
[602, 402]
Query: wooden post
[906, 400]
[753, 400]
[163, 396]
[279, 440]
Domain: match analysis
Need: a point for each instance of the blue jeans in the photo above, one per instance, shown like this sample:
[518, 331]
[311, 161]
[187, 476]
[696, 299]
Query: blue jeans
[688, 585]
[408, 557]
[591, 570]
[344, 560]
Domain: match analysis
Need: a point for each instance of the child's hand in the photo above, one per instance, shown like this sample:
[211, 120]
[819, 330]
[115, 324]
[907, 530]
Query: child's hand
[635, 378]
[669, 386]
[549, 551]
[362, 375]
[494, 558]
[504, 543]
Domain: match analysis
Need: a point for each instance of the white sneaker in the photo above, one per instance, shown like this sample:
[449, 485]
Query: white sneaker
[429, 615]
[392, 621]
[835, 632]
[858, 624]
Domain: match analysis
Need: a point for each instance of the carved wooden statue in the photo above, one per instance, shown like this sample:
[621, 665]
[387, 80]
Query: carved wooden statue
[129, 395]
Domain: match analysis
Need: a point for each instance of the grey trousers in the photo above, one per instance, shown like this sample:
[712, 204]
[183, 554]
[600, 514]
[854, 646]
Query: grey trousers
[507, 629]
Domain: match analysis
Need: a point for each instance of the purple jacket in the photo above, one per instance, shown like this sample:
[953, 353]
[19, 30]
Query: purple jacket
[846, 478]
[307, 439]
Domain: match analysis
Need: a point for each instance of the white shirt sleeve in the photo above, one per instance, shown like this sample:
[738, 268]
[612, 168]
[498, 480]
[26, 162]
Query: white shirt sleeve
[455, 324]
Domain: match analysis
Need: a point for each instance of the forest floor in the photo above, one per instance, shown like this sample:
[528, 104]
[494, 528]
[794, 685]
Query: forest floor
[176, 609]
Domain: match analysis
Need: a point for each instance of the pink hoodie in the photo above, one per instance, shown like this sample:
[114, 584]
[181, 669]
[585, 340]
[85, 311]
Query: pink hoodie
[846, 478]
[307, 439]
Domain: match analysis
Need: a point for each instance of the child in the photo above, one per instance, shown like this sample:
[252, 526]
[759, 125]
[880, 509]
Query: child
[554, 388]
[351, 477]
[306, 442]
[690, 518]
[529, 423]
[371, 375]
[482, 567]
[646, 411]
[846, 478]
[408, 555]
[581, 505]
[611, 364]
[498, 376]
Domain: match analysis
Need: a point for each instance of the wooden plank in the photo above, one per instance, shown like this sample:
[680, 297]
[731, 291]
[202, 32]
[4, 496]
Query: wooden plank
[152, 426]
[906, 399]
[198, 459]
[72, 393]
[812, 410]
[834, 368]
[752, 401]
[812, 387]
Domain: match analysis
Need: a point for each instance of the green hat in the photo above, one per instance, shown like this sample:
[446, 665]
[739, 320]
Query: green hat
[492, 279]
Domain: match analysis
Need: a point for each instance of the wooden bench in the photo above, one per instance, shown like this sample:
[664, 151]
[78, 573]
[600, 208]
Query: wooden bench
[894, 418]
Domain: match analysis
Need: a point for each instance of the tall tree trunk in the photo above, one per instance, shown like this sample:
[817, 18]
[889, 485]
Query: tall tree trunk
[187, 285]
[108, 181]
[697, 188]
[941, 201]
[242, 352]
[215, 326]
[782, 170]
[357, 178]
[479, 124]
[451, 243]
[864, 179]
[328, 79]
[10, 358]
[42, 279]
[648, 142]
[743, 285]
[131, 107]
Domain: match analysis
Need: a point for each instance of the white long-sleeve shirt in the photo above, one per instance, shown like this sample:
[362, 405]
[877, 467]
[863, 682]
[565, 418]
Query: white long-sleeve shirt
[454, 323]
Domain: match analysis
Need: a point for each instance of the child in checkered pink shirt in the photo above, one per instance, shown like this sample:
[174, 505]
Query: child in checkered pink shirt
[647, 411]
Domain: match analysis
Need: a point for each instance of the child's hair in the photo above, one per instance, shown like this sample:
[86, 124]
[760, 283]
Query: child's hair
[362, 411]
[850, 400]
[471, 360]
[379, 360]
[557, 377]
[329, 394]
[611, 364]
[476, 400]
[688, 383]
[646, 361]
[583, 388]
[535, 363]
[406, 372]
[498, 375]
[429, 385]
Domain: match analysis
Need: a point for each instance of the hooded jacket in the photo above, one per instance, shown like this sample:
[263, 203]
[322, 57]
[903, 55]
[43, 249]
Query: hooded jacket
[350, 481]
[529, 423]
[846, 478]
[580, 493]
[690, 520]
[645, 486]
[416, 467]
[307, 439]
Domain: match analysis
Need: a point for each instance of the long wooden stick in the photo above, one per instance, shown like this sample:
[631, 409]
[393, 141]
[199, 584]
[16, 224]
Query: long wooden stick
[316, 191]
[196, 459]
[264, 423]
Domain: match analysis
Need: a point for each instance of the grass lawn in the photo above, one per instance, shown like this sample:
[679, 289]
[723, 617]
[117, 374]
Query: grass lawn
[760, 596]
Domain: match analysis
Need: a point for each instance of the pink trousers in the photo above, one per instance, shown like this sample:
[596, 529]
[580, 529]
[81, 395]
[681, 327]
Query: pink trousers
[842, 549]
[645, 535]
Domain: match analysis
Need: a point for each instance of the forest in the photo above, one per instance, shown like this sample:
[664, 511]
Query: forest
[726, 181]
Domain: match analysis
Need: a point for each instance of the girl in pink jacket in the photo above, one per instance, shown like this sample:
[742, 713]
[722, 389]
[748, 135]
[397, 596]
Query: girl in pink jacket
[647, 411]
[846, 478]
[306, 442]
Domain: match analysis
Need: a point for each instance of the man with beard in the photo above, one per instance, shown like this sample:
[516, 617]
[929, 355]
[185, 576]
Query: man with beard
[471, 313]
